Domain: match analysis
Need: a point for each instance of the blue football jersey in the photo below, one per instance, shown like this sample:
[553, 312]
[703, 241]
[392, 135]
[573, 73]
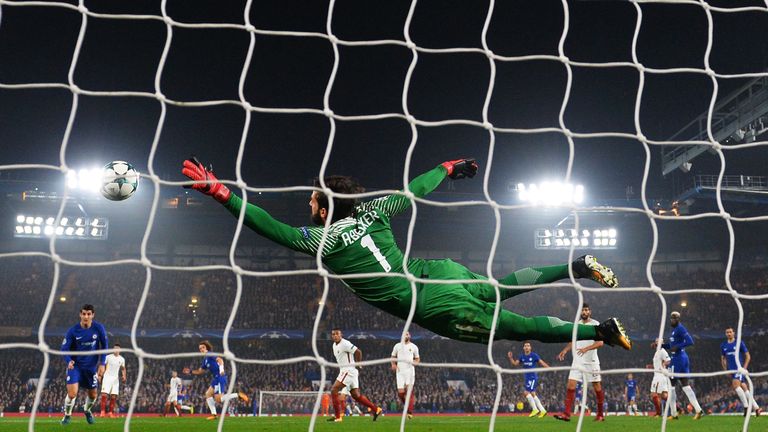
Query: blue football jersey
[210, 364]
[86, 339]
[728, 350]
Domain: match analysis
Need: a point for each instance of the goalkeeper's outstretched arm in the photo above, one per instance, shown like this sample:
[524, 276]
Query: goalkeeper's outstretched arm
[422, 185]
[302, 239]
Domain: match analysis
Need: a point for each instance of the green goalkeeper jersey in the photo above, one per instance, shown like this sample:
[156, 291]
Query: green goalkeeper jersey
[362, 243]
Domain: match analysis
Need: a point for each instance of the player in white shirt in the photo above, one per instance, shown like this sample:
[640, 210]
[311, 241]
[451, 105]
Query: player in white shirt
[660, 383]
[404, 355]
[173, 394]
[110, 383]
[347, 354]
[586, 358]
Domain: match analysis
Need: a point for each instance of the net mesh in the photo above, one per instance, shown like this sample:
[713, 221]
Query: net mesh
[407, 43]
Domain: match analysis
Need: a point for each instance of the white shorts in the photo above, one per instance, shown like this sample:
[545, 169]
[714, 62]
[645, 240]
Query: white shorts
[110, 385]
[660, 384]
[172, 398]
[405, 378]
[592, 374]
[349, 378]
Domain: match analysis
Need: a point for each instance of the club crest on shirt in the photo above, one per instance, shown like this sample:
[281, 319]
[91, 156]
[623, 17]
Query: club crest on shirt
[94, 336]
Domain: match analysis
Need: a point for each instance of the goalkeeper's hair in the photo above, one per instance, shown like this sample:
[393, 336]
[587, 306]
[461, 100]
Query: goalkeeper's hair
[207, 344]
[342, 207]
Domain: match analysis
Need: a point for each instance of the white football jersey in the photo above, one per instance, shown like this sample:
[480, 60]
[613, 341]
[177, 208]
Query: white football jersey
[345, 354]
[175, 385]
[659, 359]
[591, 355]
[114, 363]
[405, 352]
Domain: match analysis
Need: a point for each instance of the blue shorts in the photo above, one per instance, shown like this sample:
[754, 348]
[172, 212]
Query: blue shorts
[531, 382]
[86, 377]
[680, 365]
[630, 398]
[219, 385]
[740, 377]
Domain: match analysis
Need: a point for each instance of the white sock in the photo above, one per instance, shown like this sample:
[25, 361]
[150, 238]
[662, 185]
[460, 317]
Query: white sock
[229, 397]
[752, 400]
[538, 403]
[88, 404]
[531, 402]
[69, 404]
[742, 397]
[692, 398]
[211, 405]
[672, 402]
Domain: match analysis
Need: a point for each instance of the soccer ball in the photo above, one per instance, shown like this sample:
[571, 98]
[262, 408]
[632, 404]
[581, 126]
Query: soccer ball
[119, 181]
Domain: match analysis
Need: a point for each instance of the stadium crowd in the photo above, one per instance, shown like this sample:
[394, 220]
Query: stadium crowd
[205, 299]
[438, 389]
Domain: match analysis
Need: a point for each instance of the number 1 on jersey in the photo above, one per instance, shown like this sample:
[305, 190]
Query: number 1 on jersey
[367, 242]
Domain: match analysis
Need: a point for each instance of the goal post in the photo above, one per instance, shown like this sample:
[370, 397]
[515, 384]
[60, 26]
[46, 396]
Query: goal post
[280, 403]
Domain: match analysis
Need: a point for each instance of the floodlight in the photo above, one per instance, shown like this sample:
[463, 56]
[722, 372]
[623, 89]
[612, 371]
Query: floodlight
[596, 242]
[48, 230]
[20, 218]
[27, 229]
[30, 220]
[59, 230]
[19, 229]
[596, 233]
[50, 221]
[612, 233]
[585, 233]
[69, 231]
[80, 231]
[612, 242]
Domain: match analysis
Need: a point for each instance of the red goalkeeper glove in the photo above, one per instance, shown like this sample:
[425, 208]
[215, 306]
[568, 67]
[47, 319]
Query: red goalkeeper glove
[460, 168]
[196, 171]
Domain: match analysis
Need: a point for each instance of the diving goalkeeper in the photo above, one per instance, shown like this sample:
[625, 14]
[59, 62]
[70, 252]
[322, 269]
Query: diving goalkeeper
[360, 240]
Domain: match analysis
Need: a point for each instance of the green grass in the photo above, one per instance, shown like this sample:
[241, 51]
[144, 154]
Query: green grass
[388, 423]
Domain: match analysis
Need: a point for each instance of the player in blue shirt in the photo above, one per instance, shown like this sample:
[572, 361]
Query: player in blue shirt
[728, 360]
[215, 392]
[678, 341]
[630, 393]
[84, 370]
[530, 360]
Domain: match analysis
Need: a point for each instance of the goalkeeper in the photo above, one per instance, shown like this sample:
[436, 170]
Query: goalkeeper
[360, 240]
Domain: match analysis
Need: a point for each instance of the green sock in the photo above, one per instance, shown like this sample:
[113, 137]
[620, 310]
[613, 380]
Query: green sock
[542, 328]
[532, 276]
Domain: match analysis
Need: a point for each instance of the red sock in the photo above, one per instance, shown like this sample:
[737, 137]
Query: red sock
[570, 395]
[401, 396]
[410, 404]
[362, 400]
[657, 403]
[600, 400]
[112, 405]
[336, 406]
[103, 402]
[343, 403]
[166, 407]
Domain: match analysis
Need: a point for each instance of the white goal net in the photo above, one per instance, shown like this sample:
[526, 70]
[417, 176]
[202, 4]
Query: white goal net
[413, 119]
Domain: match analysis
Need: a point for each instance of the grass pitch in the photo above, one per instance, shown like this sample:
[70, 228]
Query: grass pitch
[422, 423]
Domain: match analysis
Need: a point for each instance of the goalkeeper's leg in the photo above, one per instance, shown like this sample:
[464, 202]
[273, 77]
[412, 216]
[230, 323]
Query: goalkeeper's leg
[585, 266]
[453, 312]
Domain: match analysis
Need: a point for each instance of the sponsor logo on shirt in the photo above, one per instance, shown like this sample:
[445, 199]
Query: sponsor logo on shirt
[304, 232]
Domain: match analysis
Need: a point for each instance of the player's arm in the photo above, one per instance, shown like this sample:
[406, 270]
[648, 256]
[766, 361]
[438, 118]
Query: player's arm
[125, 372]
[66, 346]
[543, 364]
[393, 363]
[198, 371]
[747, 357]
[590, 347]
[103, 344]
[511, 356]
[422, 185]
[358, 357]
[302, 239]
[564, 351]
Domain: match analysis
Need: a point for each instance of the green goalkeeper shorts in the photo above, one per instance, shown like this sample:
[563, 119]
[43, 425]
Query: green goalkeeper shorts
[455, 310]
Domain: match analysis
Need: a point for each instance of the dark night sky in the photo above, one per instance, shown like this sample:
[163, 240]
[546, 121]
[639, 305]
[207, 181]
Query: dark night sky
[36, 45]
